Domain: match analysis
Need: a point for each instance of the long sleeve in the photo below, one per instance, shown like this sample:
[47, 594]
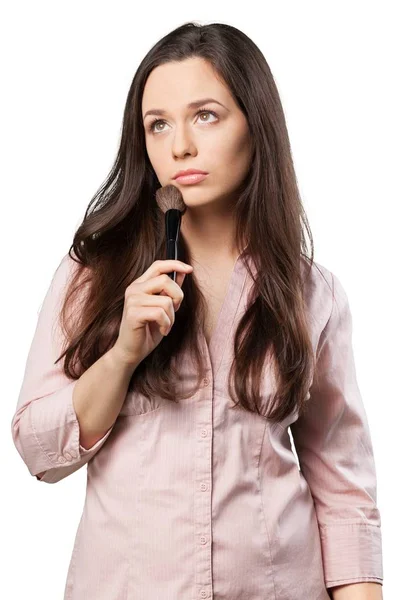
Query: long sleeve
[334, 448]
[45, 427]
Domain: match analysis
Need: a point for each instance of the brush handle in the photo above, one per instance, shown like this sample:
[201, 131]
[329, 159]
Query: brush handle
[172, 227]
[171, 254]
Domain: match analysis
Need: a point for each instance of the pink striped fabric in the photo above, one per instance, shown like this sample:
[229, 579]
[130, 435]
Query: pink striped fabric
[199, 500]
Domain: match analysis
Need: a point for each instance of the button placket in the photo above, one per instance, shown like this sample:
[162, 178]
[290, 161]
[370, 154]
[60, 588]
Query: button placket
[203, 472]
[214, 353]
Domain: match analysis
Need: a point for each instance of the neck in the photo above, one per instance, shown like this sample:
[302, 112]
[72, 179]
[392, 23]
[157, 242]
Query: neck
[209, 240]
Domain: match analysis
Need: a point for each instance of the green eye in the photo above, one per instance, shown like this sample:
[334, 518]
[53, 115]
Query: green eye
[200, 111]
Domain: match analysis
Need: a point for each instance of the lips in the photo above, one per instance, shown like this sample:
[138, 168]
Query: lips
[192, 179]
[190, 172]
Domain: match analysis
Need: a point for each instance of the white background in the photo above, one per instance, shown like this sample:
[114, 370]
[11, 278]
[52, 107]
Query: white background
[66, 71]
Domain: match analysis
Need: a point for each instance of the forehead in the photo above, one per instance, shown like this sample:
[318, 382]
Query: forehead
[176, 84]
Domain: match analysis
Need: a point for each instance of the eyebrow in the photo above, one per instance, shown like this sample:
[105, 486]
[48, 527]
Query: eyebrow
[195, 104]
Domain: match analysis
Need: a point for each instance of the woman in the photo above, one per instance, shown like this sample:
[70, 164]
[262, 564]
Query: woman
[179, 395]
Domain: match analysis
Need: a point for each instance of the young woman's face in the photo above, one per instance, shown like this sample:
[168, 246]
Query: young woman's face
[217, 142]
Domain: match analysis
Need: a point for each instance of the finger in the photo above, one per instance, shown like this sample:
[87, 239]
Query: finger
[155, 314]
[162, 285]
[165, 266]
[143, 300]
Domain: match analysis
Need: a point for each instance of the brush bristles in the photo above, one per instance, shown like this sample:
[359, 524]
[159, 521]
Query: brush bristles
[168, 197]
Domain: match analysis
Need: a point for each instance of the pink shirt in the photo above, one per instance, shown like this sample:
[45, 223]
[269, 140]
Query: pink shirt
[196, 500]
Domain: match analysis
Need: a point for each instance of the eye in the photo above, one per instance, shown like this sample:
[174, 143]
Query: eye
[199, 112]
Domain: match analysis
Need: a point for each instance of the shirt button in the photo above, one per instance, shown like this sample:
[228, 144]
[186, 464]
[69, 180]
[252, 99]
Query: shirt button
[61, 459]
[203, 487]
[203, 432]
[203, 594]
[205, 381]
[68, 455]
[203, 539]
[73, 453]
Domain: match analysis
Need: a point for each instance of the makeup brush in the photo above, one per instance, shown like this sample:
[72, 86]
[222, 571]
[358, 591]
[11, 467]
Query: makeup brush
[170, 200]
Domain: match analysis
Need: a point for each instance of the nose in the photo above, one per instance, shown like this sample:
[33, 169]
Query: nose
[183, 142]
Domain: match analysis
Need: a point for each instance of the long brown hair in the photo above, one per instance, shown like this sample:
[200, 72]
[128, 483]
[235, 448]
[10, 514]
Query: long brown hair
[123, 232]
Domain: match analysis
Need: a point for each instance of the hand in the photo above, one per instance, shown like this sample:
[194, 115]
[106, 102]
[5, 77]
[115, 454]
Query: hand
[150, 303]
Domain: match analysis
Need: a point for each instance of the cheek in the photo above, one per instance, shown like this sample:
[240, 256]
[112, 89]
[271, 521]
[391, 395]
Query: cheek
[234, 155]
[155, 158]
[232, 141]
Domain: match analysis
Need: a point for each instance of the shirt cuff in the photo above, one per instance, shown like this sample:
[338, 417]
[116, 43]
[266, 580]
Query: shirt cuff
[351, 552]
[55, 436]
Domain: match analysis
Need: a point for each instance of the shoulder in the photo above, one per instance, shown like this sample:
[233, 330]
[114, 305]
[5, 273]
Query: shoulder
[65, 269]
[323, 292]
[64, 272]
